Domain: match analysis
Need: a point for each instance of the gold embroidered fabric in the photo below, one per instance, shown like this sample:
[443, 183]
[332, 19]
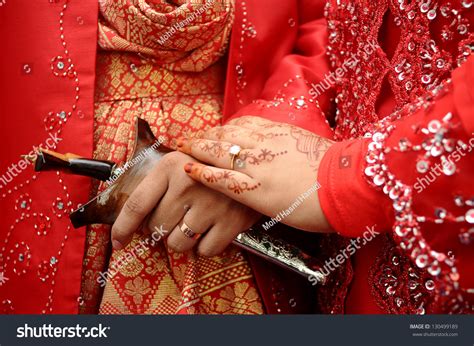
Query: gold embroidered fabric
[159, 281]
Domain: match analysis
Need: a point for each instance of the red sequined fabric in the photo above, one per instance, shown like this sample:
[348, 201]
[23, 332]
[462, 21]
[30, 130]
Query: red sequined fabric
[405, 75]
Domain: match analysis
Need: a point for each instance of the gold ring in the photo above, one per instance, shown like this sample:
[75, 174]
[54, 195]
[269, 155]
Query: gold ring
[234, 152]
[188, 232]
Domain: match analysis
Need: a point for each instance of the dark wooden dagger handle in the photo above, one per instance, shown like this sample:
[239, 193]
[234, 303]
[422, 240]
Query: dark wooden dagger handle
[48, 160]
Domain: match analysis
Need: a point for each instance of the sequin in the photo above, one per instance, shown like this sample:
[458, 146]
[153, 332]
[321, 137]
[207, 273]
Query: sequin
[422, 166]
[470, 216]
[20, 257]
[459, 201]
[425, 7]
[421, 261]
[440, 63]
[300, 103]
[449, 168]
[426, 79]
[26, 68]
[431, 14]
[23, 202]
[390, 290]
[59, 207]
[239, 69]
[434, 269]
[379, 180]
[462, 29]
[62, 67]
[440, 213]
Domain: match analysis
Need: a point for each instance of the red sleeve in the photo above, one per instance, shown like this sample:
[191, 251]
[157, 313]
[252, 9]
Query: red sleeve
[348, 198]
[297, 87]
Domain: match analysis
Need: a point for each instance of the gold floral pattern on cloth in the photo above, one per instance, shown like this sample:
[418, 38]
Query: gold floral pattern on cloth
[180, 35]
[158, 281]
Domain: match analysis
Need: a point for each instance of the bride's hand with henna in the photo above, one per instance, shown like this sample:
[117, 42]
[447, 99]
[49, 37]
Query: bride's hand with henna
[275, 169]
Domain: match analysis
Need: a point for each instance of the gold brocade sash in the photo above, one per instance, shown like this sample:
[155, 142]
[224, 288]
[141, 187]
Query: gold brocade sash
[180, 35]
[171, 88]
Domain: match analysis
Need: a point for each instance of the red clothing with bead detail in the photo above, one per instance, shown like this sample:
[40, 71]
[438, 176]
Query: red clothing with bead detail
[283, 65]
[421, 260]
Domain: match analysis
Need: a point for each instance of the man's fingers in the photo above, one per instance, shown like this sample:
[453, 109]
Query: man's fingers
[140, 203]
[167, 214]
[235, 185]
[217, 239]
[195, 221]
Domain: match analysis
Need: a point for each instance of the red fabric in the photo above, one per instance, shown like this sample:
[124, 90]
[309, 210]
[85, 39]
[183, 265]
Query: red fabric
[275, 66]
[29, 91]
[279, 64]
[351, 192]
[340, 172]
[283, 70]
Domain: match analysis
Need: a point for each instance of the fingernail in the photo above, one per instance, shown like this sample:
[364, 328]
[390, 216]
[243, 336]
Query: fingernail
[188, 167]
[116, 244]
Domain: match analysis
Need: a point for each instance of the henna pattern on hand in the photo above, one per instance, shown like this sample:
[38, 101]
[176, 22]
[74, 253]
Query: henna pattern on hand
[310, 144]
[264, 156]
[261, 137]
[215, 149]
[232, 183]
[220, 131]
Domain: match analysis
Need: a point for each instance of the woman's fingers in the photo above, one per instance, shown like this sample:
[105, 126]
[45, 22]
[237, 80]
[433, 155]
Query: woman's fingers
[249, 122]
[235, 185]
[216, 153]
[140, 203]
[233, 134]
[186, 234]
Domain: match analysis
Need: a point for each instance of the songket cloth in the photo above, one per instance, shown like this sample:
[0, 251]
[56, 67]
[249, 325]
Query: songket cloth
[162, 62]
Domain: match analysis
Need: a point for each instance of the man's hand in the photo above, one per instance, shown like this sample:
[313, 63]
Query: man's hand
[167, 197]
